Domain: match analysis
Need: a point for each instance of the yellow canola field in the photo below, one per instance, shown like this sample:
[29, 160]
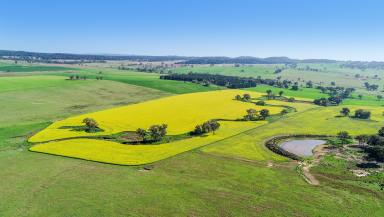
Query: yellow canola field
[116, 153]
[181, 113]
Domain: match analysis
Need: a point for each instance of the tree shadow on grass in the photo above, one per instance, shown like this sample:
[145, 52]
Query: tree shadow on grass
[82, 128]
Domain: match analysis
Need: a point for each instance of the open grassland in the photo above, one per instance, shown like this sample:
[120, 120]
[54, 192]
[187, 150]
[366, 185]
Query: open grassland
[316, 121]
[36, 99]
[22, 83]
[117, 153]
[181, 113]
[192, 183]
[366, 100]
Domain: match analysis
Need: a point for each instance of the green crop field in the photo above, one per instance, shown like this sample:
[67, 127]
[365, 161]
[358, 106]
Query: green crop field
[230, 173]
[150, 80]
[266, 71]
[308, 93]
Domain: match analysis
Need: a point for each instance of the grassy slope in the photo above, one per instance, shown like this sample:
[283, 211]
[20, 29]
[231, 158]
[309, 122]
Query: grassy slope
[150, 80]
[191, 184]
[309, 93]
[35, 99]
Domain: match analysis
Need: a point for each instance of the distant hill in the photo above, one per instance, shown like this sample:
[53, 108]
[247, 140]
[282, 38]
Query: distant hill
[252, 60]
[76, 58]
[85, 57]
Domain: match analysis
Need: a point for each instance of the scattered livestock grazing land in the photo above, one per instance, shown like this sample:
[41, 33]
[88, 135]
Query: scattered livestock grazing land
[50, 165]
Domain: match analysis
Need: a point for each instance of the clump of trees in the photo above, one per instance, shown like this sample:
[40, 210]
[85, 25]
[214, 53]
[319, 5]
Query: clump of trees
[206, 127]
[91, 126]
[246, 97]
[229, 81]
[359, 113]
[337, 95]
[331, 101]
[341, 139]
[220, 80]
[371, 87]
[77, 77]
[375, 145]
[154, 133]
[254, 115]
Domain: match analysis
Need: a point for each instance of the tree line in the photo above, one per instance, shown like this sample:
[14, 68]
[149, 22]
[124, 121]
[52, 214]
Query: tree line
[230, 81]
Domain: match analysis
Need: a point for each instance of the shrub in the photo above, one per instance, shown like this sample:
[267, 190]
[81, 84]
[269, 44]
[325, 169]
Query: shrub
[284, 111]
[261, 103]
[344, 137]
[91, 125]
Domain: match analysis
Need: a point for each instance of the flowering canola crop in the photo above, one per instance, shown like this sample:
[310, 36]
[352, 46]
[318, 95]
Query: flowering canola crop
[181, 113]
[116, 153]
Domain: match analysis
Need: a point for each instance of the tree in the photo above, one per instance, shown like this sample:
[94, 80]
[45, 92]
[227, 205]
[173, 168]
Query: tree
[157, 132]
[333, 83]
[362, 139]
[376, 148]
[281, 93]
[198, 130]
[264, 113]
[344, 137]
[309, 84]
[381, 132]
[214, 125]
[295, 87]
[251, 115]
[90, 125]
[142, 133]
[206, 127]
[345, 111]
[379, 97]
[269, 93]
[238, 97]
[360, 96]
[246, 97]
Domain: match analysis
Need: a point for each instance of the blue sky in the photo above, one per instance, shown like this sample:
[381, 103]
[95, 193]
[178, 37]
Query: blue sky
[338, 29]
